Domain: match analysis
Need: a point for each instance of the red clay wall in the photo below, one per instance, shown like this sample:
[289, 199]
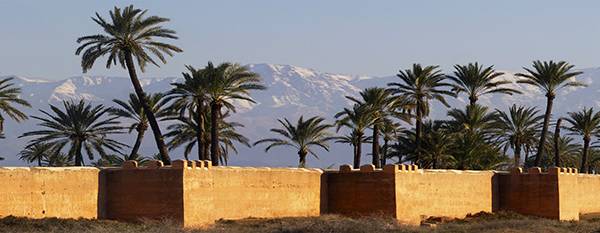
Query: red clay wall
[133, 194]
[588, 193]
[358, 193]
[49, 192]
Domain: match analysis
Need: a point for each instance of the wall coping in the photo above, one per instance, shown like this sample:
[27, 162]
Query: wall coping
[49, 168]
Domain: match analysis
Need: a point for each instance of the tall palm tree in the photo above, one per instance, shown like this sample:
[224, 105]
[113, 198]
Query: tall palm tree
[517, 128]
[80, 125]
[585, 123]
[191, 95]
[132, 109]
[419, 86]
[475, 80]
[37, 153]
[548, 76]
[302, 136]
[357, 119]
[380, 103]
[183, 133]
[9, 96]
[131, 35]
[227, 82]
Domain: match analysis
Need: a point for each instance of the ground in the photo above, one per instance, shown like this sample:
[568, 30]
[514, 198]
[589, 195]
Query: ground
[502, 222]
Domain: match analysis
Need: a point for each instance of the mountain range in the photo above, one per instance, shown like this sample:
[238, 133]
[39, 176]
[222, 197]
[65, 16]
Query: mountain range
[291, 91]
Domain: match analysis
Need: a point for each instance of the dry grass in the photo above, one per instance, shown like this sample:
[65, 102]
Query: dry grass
[502, 222]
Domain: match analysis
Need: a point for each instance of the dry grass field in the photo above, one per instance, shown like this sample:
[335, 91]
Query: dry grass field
[502, 222]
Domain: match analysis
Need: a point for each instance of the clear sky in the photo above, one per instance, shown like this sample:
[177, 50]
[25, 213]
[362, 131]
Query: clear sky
[37, 38]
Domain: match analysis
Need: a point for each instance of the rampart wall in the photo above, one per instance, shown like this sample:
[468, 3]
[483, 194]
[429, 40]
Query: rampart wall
[49, 192]
[194, 193]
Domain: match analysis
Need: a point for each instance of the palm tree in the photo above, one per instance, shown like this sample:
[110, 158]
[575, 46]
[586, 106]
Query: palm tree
[183, 133]
[475, 81]
[303, 135]
[419, 86]
[9, 95]
[548, 76]
[191, 95]
[225, 83]
[517, 128]
[357, 119]
[353, 139]
[569, 152]
[83, 126]
[380, 102]
[471, 131]
[37, 153]
[587, 124]
[132, 109]
[130, 35]
[436, 146]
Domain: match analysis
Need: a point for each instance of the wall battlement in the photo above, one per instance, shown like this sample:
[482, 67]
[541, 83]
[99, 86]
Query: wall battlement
[194, 193]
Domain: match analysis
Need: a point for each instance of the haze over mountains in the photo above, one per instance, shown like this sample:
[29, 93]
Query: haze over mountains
[292, 91]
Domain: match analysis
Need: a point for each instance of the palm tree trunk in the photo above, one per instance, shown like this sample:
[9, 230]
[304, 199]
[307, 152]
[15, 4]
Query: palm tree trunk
[302, 159]
[384, 155]
[78, 155]
[418, 134]
[517, 154]
[472, 100]
[39, 160]
[540, 150]
[556, 140]
[138, 141]
[358, 151]
[375, 149]
[586, 145]
[200, 131]
[1, 125]
[215, 108]
[160, 143]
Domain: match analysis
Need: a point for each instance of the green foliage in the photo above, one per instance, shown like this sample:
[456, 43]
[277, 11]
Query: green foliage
[301, 136]
[129, 31]
[79, 126]
[9, 96]
[517, 129]
[475, 81]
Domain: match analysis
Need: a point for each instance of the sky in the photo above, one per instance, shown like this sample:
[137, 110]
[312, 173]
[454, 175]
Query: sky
[37, 38]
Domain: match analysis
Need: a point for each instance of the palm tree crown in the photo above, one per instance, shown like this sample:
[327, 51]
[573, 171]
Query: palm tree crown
[128, 32]
[9, 95]
[475, 81]
[302, 136]
[81, 125]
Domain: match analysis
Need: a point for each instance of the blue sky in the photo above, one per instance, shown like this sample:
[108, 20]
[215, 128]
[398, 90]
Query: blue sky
[356, 37]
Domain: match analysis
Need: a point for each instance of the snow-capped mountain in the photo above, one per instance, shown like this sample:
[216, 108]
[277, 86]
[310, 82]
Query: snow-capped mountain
[292, 91]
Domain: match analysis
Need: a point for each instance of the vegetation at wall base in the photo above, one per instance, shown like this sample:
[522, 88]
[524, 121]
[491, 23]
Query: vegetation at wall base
[483, 222]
